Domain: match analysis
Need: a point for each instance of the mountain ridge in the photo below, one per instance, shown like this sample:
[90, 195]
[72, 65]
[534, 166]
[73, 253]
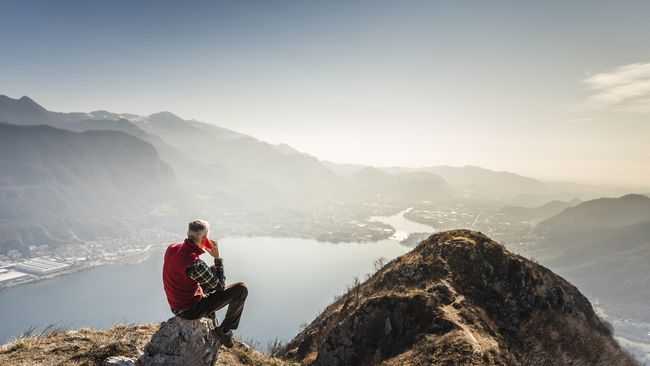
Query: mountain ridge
[597, 215]
[193, 148]
[604, 246]
[57, 183]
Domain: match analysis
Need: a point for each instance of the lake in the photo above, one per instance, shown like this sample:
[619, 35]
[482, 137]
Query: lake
[290, 281]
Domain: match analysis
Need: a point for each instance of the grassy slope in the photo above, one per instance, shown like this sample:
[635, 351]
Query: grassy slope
[57, 346]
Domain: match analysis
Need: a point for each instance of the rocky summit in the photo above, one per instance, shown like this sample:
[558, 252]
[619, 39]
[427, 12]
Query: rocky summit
[180, 342]
[459, 298]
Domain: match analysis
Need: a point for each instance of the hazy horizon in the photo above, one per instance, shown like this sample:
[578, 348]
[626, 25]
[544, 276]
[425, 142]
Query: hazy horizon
[542, 90]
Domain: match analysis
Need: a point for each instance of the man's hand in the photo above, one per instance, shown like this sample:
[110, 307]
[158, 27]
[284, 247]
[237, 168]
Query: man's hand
[215, 249]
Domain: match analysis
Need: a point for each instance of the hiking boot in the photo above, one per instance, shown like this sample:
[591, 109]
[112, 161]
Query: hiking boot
[225, 338]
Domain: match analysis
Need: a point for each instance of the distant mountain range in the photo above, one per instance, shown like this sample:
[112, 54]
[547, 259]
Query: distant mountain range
[233, 161]
[374, 183]
[539, 213]
[603, 245]
[205, 156]
[196, 164]
[480, 184]
[477, 178]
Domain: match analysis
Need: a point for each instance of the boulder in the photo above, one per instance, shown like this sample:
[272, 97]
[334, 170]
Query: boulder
[181, 342]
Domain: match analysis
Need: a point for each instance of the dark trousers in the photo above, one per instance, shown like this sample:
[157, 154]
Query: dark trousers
[234, 295]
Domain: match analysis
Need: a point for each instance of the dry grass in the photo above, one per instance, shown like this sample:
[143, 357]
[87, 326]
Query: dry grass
[56, 345]
[552, 340]
[243, 355]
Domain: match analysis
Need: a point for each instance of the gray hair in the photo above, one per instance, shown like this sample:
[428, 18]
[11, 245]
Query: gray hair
[197, 229]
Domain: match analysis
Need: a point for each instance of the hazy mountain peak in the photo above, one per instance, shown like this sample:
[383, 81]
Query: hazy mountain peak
[107, 115]
[634, 197]
[286, 149]
[370, 171]
[22, 102]
[27, 99]
[165, 115]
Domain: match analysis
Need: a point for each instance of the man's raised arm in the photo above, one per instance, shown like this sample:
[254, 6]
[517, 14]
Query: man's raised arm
[207, 278]
[218, 271]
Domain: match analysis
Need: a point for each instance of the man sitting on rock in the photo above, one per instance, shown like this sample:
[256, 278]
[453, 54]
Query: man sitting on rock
[195, 290]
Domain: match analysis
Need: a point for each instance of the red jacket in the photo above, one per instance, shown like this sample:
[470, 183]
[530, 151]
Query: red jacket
[182, 292]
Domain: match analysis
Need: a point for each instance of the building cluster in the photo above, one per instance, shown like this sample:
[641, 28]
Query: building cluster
[27, 270]
[9, 275]
[41, 266]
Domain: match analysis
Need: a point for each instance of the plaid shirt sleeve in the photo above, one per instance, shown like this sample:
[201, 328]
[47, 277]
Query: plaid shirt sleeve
[210, 279]
[217, 270]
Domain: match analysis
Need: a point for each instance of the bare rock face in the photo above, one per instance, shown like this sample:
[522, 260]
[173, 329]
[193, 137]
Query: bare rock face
[181, 342]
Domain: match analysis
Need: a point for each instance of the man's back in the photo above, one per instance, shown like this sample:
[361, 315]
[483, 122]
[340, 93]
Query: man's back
[182, 292]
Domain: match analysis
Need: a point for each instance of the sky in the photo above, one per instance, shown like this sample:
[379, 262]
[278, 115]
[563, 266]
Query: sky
[557, 90]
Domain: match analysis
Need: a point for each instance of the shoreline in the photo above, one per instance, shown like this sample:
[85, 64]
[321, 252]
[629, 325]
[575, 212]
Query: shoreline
[93, 264]
[146, 251]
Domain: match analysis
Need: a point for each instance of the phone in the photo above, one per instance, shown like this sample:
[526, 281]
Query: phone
[206, 243]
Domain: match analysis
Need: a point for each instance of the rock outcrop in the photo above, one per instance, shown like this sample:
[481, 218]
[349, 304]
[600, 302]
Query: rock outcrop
[120, 361]
[119, 345]
[180, 342]
[459, 298]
